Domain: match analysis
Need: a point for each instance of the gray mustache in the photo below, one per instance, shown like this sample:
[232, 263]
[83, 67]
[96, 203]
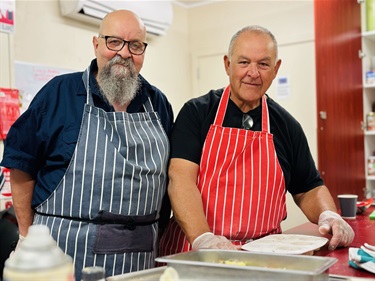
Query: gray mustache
[119, 60]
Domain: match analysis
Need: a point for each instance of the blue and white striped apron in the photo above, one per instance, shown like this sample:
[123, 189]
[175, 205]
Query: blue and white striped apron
[104, 211]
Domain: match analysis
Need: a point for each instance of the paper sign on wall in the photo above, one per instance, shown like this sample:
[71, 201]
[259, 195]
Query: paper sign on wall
[30, 78]
[9, 109]
[283, 87]
[7, 15]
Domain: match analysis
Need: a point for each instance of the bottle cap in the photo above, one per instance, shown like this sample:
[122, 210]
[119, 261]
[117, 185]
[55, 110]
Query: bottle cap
[92, 273]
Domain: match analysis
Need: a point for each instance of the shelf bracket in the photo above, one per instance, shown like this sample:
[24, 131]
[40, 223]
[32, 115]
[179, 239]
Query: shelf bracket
[361, 54]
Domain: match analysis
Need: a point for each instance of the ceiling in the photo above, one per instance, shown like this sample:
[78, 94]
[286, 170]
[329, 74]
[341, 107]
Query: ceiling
[193, 3]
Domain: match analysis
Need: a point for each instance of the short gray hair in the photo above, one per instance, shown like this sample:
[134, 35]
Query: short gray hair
[255, 29]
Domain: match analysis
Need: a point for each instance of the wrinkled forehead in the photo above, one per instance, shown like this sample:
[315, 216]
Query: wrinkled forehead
[124, 25]
[255, 43]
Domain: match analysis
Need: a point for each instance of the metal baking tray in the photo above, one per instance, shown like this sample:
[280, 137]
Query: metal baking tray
[208, 265]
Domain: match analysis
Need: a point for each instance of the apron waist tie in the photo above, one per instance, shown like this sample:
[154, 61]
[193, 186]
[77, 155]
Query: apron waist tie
[105, 217]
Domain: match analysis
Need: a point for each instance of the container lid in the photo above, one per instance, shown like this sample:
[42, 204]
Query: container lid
[92, 273]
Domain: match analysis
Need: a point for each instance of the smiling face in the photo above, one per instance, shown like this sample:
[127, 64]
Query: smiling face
[118, 70]
[251, 66]
[124, 25]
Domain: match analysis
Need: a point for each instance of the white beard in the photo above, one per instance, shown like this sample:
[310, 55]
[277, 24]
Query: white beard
[119, 81]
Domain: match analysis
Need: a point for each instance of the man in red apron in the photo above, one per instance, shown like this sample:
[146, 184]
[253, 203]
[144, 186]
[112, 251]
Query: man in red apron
[234, 154]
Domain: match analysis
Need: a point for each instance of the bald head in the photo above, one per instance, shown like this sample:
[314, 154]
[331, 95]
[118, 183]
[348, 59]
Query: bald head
[252, 29]
[124, 25]
[121, 21]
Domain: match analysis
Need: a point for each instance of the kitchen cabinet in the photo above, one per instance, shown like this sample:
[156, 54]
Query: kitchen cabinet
[339, 96]
[367, 53]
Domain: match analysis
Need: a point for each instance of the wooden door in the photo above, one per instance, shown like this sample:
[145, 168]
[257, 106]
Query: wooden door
[339, 96]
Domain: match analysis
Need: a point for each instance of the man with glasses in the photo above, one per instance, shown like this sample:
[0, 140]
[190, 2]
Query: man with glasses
[235, 154]
[89, 156]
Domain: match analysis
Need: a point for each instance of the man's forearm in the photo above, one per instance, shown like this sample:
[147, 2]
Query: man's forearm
[22, 186]
[186, 199]
[314, 202]
[188, 211]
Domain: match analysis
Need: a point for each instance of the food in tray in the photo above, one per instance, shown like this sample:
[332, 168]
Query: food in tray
[218, 264]
[250, 263]
[233, 262]
[169, 274]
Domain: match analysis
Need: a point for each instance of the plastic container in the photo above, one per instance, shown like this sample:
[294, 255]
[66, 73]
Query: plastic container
[93, 273]
[370, 121]
[371, 166]
[370, 12]
[38, 258]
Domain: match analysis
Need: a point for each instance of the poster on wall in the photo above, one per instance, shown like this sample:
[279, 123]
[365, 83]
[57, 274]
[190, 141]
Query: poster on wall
[283, 87]
[9, 109]
[5, 190]
[7, 15]
[30, 78]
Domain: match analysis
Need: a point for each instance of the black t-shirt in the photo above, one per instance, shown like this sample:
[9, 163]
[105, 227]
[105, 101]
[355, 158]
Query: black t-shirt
[197, 115]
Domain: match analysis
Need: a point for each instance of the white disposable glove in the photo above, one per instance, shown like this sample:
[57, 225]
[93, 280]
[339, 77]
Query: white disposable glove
[333, 223]
[208, 240]
[20, 240]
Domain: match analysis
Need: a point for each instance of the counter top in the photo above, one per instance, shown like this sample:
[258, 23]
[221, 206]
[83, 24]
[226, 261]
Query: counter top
[364, 230]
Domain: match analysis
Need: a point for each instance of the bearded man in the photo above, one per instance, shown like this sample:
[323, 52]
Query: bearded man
[88, 158]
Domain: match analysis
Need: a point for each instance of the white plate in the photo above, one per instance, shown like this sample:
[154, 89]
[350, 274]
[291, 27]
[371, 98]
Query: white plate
[286, 244]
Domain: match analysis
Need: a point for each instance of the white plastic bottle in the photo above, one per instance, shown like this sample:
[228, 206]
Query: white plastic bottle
[38, 258]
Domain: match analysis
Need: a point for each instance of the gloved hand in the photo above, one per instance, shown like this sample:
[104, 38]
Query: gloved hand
[333, 223]
[208, 240]
[20, 240]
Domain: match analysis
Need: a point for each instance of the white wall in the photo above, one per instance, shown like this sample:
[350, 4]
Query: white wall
[292, 22]
[43, 36]
[167, 61]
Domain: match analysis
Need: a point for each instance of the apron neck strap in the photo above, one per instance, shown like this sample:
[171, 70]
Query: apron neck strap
[220, 114]
[86, 82]
[219, 118]
[148, 105]
[265, 116]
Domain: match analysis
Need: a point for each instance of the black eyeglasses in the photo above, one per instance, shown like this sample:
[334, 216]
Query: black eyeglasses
[116, 44]
[247, 122]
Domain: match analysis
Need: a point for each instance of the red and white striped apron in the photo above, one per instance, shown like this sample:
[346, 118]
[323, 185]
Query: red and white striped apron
[241, 183]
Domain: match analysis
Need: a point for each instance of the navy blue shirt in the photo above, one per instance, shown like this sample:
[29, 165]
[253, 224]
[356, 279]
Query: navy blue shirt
[44, 137]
